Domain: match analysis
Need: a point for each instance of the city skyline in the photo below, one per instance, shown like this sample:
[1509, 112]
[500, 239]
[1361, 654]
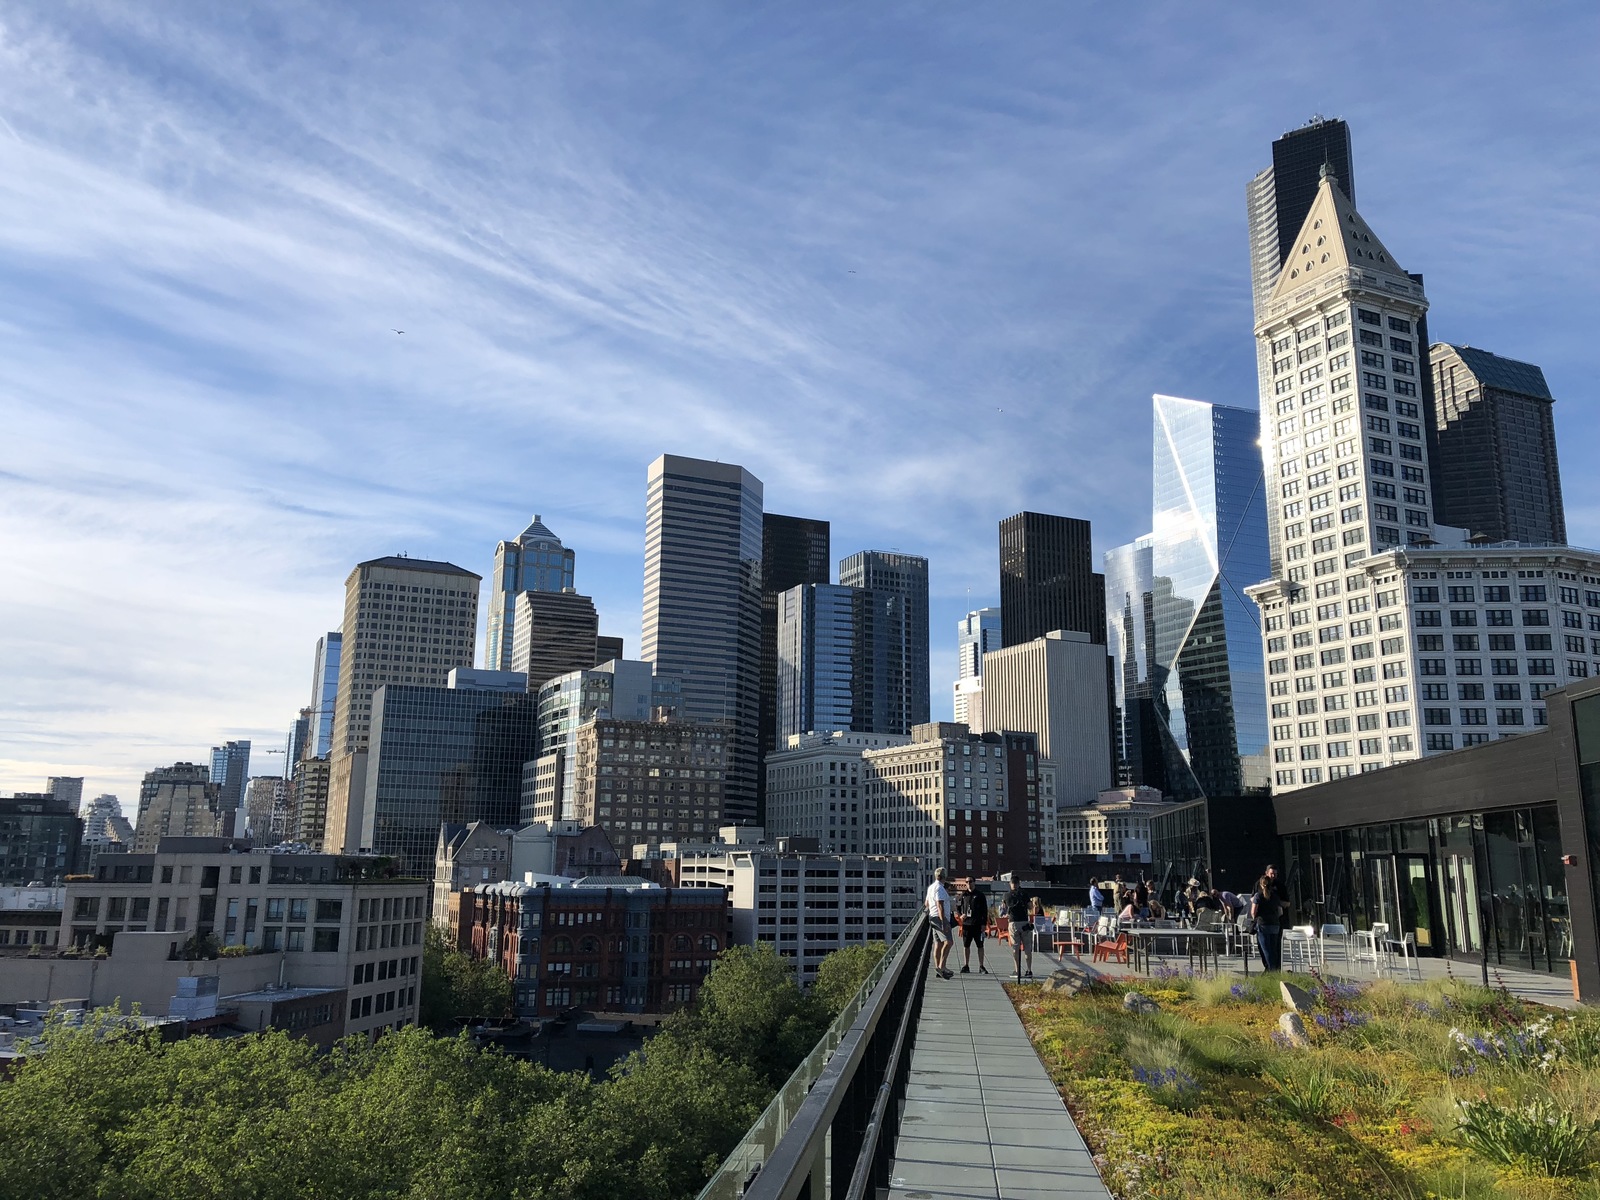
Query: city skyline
[198, 653]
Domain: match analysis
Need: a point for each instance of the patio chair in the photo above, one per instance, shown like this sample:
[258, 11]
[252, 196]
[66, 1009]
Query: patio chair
[1367, 946]
[1333, 933]
[1405, 947]
[1299, 943]
[1109, 951]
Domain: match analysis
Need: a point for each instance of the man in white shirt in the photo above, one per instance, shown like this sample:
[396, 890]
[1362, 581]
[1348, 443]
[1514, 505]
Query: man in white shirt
[937, 903]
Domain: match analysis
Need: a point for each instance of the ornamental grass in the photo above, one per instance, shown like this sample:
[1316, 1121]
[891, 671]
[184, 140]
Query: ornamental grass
[1419, 1091]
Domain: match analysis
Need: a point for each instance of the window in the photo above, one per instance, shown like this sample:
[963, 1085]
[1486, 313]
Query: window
[1508, 716]
[1436, 716]
[1463, 641]
[1469, 666]
[325, 940]
[1533, 593]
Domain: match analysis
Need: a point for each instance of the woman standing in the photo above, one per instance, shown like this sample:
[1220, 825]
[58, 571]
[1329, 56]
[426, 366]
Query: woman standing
[1266, 910]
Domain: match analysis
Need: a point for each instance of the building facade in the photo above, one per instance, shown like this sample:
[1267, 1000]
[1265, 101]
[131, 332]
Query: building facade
[1047, 579]
[900, 697]
[1055, 688]
[616, 944]
[324, 692]
[1277, 200]
[478, 853]
[1496, 474]
[230, 771]
[308, 802]
[957, 799]
[1114, 828]
[68, 789]
[702, 603]
[1137, 748]
[178, 801]
[406, 621]
[40, 838]
[805, 903]
[1202, 663]
[814, 788]
[533, 561]
[977, 633]
[794, 551]
[556, 632]
[442, 755]
[649, 780]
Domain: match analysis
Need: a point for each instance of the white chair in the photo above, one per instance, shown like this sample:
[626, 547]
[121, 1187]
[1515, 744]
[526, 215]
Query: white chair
[1405, 947]
[1333, 933]
[1299, 945]
[1368, 946]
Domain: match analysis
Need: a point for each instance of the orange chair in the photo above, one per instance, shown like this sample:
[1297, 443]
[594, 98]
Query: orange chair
[1116, 951]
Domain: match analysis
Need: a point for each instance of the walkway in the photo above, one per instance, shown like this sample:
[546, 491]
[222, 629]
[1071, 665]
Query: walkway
[982, 1120]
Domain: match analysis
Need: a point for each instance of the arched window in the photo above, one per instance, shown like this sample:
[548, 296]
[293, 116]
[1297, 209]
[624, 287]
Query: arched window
[681, 942]
[709, 942]
[589, 945]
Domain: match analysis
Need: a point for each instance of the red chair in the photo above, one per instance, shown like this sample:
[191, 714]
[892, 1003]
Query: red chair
[1116, 951]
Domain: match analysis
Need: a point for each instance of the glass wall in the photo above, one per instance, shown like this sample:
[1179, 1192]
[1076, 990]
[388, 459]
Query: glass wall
[1456, 882]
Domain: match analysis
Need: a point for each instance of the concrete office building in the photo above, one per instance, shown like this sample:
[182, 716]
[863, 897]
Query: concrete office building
[66, 788]
[804, 902]
[1115, 827]
[977, 633]
[317, 920]
[40, 838]
[308, 802]
[899, 695]
[702, 603]
[621, 688]
[556, 632]
[103, 821]
[814, 788]
[324, 694]
[644, 780]
[608, 649]
[611, 943]
[1055, 687]
[794, 551]
[179, 801]
[266, 810]
[30, 918]
[406, 621]
[1047, 579]
[478, 853]
[1495, 471]
[957, 799]
[533, 561]
[441, 755]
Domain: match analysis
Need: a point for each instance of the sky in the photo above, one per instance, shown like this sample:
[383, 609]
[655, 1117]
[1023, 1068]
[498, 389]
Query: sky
[916, 267]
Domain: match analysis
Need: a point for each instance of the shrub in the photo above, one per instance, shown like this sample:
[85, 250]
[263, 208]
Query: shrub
[1540, 1136]
[1307, 1092]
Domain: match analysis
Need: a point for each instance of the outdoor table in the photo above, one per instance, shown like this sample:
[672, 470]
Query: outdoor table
[1199, 943]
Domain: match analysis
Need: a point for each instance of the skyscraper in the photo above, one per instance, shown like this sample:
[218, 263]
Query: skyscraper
[977, 633]
[533, 561]
[1130, 639]
[794, 550]
[1209, 543]
[1047, 579]
[556, 632]
[325, 691]
[901, 686]
[180, 801]
[66, 788]
[1495, 469]
[837, 647]
[702, 603]
[406, 620]
[1278, 199]
[230, 768]
[1346, 459]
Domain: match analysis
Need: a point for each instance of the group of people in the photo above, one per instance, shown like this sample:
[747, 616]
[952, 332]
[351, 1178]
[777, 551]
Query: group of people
[968, 912]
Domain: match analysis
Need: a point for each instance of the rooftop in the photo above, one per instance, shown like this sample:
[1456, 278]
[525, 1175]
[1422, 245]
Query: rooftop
[431, 566]
[1507, 374]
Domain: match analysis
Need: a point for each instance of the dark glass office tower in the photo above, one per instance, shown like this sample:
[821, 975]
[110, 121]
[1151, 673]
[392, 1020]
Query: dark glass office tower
[794, 551]
[702, 604]
[1495, 470]
[1279, 198]
[443, 755]
[900, 646]
[1047, 579]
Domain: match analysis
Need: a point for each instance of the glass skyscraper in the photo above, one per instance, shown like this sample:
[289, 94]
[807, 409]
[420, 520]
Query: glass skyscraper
[442, 755]
[900, 683]
[1195, 628]
[702, 603]
[324, 693]
[534, 561]
[794, 550]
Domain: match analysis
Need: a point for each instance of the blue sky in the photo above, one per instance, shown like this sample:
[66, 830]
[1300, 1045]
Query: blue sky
[916, 267]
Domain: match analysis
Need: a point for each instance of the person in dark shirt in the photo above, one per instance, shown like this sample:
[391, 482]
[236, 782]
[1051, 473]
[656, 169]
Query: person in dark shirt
[1266, 910]
[972, 910]
[1021, 928]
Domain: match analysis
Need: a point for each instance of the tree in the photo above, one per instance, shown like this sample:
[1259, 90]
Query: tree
[841, 974]
[456, 986]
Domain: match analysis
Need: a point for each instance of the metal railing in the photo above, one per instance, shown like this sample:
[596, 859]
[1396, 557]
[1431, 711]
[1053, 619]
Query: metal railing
[833, 1124]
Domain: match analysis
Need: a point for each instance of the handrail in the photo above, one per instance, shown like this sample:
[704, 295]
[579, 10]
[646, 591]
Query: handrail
[899, 1065]
[776, 1157]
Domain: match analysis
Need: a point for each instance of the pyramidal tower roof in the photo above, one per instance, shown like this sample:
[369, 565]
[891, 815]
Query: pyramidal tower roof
[1334, 239]
[537, 531]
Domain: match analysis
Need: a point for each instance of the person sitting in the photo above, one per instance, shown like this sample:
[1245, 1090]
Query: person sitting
[1129, 912]
[1155, 911]
[1208, 902]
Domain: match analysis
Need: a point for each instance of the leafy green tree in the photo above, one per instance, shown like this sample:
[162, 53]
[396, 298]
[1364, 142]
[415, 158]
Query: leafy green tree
[751, 1011]
[841, 974]
[457, 985]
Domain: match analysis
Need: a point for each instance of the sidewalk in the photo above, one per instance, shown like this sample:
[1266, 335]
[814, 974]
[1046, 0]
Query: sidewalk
[982, 1120]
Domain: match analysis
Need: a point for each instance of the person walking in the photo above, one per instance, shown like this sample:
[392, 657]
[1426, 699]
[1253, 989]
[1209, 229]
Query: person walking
[1020, 927]
[1266, 910]
[972, 910]
[937, 902]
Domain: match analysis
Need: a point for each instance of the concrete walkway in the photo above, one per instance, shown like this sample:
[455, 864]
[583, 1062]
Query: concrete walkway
[982, 1120]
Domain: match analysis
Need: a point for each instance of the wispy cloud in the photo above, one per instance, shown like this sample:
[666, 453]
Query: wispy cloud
[916, 269]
